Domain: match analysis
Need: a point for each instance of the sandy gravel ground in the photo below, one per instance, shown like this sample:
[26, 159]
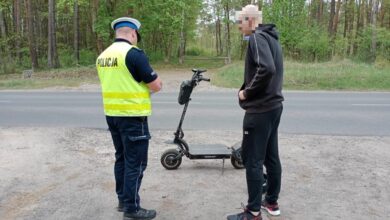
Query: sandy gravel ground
[67, 173]
[63, 173]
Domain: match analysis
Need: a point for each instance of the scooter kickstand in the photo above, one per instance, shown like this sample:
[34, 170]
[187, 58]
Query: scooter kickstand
[223, 165]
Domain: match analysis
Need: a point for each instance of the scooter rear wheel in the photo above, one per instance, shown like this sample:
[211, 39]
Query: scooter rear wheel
[236, 163]
[171, 159]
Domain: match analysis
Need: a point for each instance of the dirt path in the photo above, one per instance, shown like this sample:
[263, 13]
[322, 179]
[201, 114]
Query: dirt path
[171, 81]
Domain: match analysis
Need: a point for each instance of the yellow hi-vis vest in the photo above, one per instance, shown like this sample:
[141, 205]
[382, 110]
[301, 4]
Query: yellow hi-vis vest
[122, 94]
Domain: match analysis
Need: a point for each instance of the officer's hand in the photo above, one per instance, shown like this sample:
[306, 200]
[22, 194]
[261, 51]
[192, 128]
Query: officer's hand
[155, 85]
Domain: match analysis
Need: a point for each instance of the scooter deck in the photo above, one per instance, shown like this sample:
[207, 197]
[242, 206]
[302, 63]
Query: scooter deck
[210, 149]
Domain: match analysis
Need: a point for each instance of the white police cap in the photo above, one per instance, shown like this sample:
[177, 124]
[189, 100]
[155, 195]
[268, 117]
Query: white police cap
[135, 24]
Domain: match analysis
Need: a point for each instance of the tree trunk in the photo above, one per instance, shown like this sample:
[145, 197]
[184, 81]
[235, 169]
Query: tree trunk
[168, 47]
[334, 24]
[5, 50]
[17, 27]
[387, 12]
[228, 43]
[319, 11]
[373, 43]
[313, 11]
[331, 17]
[215, 10]
[76, 30]
[39, 32]
[220, 38]
[359, 23]
[3, 30]
[382, 13]
[369, 11]
[99, 41]
[217, 35]
[346, 12]
[350, 25]
[31, 36]
[337, 15]
[52, 56]
[181, 47]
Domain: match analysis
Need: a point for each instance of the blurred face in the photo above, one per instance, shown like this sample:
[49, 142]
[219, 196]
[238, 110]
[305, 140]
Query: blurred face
[246, 25]
[248, 19]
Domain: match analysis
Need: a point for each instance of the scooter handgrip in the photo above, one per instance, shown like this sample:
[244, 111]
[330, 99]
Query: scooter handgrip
[205, 79]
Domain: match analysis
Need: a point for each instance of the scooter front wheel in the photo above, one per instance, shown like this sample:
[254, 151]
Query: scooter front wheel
[171, 159]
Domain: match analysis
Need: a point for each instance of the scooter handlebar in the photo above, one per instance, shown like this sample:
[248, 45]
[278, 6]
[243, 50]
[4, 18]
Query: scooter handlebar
[205, 79]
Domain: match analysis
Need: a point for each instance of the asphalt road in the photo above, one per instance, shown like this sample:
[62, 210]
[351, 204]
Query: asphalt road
[330, 113]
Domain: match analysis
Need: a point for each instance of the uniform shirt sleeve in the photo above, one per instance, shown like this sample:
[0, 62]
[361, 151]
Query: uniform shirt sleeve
[138, 65]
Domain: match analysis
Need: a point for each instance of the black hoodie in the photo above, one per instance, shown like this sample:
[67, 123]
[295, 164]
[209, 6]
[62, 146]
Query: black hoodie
[263, 71]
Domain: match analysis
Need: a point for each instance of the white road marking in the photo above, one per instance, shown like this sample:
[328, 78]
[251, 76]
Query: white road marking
[371, 104]
[162, 102]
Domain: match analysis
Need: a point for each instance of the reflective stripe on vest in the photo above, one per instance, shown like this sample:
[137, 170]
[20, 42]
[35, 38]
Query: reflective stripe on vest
[122, 94]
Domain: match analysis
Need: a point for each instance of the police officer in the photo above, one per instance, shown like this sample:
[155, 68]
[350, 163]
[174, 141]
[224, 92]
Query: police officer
[127, 80]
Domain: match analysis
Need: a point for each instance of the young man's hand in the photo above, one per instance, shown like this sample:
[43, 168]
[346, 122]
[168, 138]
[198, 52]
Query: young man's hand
[241, 95]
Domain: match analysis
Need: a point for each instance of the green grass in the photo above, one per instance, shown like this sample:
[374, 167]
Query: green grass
[70, 77]
[335, 75]
[199, 62]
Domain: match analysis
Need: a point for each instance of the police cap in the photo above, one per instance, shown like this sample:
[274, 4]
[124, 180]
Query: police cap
[127, 22]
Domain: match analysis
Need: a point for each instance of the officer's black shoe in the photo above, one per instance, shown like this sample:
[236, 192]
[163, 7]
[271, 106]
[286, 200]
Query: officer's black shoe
[140, 214]
[120, 207]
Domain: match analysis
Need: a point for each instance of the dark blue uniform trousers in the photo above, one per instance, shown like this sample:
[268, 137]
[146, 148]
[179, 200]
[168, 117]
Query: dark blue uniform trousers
[260, 147]
[131, 140]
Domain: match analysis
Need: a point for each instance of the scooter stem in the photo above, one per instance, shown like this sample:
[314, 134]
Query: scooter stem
[179, 130]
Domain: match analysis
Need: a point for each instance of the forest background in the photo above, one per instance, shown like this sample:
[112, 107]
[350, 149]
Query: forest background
[50, 34]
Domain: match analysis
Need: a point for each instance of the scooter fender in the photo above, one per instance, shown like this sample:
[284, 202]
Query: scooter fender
[182, 145]
[236, 151]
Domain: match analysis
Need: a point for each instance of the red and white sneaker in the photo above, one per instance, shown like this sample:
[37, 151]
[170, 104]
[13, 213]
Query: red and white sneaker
[272, 209]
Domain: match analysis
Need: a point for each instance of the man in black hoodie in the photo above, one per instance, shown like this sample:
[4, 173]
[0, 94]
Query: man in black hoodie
[261, 98]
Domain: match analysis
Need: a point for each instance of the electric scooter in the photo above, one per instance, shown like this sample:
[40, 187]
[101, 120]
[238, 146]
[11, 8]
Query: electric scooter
[172, 158]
